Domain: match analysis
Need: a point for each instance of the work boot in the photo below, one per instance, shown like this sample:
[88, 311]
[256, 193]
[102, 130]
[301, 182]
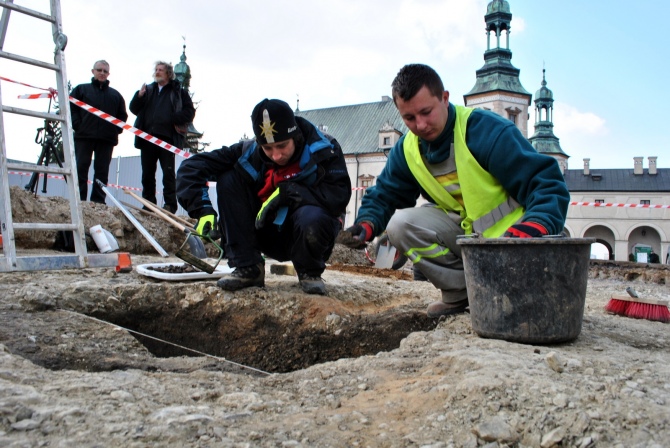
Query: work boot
[171, 208]
[243, 277]
[418, 275]
[312, 284]
[440, 308]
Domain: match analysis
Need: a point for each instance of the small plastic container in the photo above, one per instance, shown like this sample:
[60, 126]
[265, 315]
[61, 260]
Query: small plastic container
[103, 239]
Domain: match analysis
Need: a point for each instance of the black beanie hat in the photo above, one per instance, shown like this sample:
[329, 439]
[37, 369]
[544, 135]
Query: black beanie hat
[273, 121]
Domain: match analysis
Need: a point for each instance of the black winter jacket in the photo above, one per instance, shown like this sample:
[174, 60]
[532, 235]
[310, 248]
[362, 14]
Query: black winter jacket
[327, 184]
[158, 112]
[101, 96]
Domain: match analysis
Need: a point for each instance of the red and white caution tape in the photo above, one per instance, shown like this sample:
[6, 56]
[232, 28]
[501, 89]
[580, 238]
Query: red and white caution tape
[105, 116]
[24, 84]
[125, 126]
[52, 176]
[612, 204]
[35, 96]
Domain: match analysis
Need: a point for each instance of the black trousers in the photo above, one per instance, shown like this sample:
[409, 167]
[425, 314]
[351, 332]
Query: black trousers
[306, 237]
[84, 150]
[150, 156]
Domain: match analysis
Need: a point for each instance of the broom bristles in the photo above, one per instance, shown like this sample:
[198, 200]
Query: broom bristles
[657, 313]
[629, 307]
[616, 306]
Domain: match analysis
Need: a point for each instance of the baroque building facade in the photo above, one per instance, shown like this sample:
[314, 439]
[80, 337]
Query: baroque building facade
[625, 210]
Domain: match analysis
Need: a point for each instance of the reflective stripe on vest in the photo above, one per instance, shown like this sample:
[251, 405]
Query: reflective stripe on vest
[488, 208]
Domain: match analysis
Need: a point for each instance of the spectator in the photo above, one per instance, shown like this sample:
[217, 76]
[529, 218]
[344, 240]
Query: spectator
[94, 136]
[161, 108]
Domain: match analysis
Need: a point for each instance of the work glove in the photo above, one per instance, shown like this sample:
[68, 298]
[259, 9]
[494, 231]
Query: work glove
[281, 198]
[269, 208]
[526, 230]
[206, 223]
[357, 235]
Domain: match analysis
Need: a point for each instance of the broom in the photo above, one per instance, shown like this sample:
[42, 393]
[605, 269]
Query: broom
[637, 307]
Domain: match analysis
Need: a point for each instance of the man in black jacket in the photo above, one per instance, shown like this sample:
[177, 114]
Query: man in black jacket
[280, 194]
[92, 134]
[162, 108]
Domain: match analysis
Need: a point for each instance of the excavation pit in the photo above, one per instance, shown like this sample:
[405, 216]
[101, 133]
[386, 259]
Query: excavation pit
[119, 321]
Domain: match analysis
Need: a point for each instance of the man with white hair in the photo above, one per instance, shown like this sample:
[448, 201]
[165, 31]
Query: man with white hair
[162, 108]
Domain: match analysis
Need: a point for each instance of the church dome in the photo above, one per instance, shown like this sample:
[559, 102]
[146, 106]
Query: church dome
[498, 6]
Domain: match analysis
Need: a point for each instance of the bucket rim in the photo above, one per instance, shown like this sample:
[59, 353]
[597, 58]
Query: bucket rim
[477, 241]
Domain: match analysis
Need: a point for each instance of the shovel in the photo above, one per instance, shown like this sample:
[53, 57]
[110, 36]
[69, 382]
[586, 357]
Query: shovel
[196, 247]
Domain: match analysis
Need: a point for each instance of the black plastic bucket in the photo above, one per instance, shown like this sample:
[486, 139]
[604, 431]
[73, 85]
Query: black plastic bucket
[528, 290]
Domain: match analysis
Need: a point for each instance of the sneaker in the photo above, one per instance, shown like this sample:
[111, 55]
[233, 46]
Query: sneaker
[312, 284]
[440, 308]
[243, 277]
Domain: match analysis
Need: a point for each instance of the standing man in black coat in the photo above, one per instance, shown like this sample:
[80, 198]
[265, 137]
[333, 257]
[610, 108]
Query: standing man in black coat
[92, 134]
[163, 110]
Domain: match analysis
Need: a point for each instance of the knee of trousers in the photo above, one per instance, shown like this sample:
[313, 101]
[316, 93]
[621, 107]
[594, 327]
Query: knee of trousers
[401, 225]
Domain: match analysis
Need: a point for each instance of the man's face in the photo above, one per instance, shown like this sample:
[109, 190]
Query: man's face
[100, 72]
[424, 114]
[160, 75]
[280, 152]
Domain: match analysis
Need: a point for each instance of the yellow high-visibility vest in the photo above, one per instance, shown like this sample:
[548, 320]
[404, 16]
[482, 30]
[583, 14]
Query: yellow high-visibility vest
[471, 191]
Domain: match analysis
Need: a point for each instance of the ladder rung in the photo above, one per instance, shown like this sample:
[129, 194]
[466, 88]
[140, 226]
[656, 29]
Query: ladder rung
[31, 61]
[33, 113]
[28, 12]
[51, 169]
[43, 226]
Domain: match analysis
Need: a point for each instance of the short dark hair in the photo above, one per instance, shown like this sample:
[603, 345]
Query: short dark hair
[411, 78]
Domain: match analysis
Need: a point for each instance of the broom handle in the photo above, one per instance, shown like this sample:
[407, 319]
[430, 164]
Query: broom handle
[628, 298]
[153, 207]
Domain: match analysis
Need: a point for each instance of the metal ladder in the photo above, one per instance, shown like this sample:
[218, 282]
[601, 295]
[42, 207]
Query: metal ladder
[80, 259]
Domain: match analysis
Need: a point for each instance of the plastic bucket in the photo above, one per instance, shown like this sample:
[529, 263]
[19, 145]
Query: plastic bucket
[528, 290]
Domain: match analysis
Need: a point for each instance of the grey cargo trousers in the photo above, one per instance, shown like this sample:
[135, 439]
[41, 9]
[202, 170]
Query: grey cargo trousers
[427, 235]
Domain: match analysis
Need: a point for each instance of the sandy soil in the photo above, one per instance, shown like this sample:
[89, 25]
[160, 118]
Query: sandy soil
[93, 357]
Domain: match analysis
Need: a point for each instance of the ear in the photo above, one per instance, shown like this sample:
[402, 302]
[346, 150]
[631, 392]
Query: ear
[445, 97]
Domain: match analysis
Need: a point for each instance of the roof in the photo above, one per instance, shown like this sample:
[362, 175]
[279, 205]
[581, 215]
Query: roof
[355, 126]
[618, 180]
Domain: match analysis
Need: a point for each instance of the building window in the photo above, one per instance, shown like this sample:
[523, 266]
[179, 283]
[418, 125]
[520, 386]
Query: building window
[387, 141]
[512, 118]
[600, 201]
[645, 202]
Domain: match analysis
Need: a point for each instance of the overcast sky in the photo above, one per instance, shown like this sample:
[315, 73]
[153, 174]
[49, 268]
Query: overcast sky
[606, 61]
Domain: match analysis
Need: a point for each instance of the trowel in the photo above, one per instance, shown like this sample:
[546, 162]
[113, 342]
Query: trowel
[385, 256]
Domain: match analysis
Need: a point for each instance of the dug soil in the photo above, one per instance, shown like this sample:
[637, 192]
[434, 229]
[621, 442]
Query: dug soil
[94, 357]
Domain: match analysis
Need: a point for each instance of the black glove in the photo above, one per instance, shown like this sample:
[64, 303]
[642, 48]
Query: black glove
[526, 230]
[356, 236]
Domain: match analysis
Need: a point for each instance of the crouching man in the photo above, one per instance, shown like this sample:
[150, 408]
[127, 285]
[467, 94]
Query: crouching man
[280, 195]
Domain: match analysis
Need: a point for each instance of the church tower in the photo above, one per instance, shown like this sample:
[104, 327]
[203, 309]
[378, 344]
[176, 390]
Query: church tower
[498, 87]
[544, 141]
[182, 72]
